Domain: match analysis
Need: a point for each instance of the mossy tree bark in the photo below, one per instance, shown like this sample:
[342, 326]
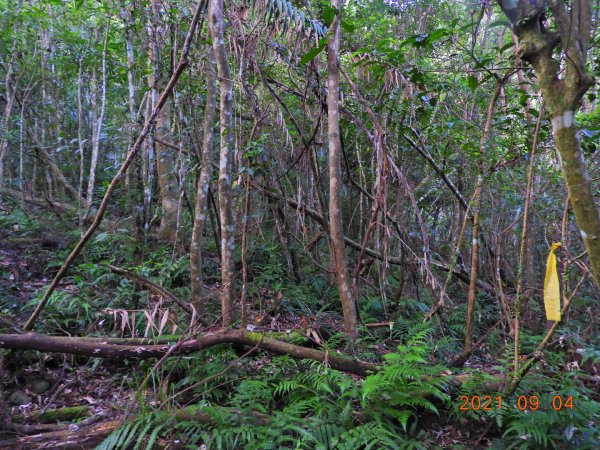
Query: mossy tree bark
[101, 348]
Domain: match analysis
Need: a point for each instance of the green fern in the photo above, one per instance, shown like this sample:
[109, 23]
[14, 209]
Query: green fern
[406, 384]
[253, 392]
[371, 435]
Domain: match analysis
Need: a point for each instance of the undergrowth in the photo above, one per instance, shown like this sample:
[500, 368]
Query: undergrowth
[285, 403]
[217, 399]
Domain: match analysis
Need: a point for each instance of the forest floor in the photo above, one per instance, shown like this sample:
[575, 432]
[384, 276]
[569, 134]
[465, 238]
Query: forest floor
[104, 390]
[44, 392]
[33, 383]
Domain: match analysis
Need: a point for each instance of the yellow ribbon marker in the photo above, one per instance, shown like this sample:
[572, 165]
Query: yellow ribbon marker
[552, 287]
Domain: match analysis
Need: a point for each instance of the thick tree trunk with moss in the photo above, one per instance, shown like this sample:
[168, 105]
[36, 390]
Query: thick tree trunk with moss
[562, 91]
[203, 180]
[335, 178]
[215, 17]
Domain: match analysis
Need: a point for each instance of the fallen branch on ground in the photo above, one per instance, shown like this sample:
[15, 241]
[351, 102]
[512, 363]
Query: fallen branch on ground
[87, 435]
[103, 349]
[55, 415]
[72, 438]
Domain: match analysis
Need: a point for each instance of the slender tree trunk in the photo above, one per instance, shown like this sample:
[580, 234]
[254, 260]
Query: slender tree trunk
[522, 247]
[133, 178]
[335, 177]
[96, 133]
[10, 97]
[165, 157]
[475, 230]
[147, 170]
[244, 293]
[128, 24]
[81, 144]
[203, 180]
[22, 148]
[225, 162]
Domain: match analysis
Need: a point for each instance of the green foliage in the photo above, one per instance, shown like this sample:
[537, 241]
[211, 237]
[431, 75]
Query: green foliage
[289, 16]
[406, 383]
[142, 433]
[16, 220]
[270, 268]
[425, 68]
[287, 404]
[529, 418]
[64, 311]
[550, 427]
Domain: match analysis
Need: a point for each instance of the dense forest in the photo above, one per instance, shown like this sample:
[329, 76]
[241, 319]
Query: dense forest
[311, 224]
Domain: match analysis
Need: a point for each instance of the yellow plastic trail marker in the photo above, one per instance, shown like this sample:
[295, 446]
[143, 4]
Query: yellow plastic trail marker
[552, 287]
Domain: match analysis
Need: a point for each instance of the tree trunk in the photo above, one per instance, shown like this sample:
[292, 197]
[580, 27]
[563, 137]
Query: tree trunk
[81, 144]
[98, 120]
[562, 91]
[10, 97]
[335, 177]
[165, 157]
[203, 181]
[133, 177]
[475, 231]
[215, 17]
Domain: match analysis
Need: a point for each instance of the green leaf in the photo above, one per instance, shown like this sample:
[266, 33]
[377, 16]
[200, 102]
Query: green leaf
[347, 26]
[500, 23]
[329, 13]
[437, 35]
[312, 53]
[505, 47]
[472, 82]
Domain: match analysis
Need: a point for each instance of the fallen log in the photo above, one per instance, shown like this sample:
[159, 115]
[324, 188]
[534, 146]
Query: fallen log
[105, 349]
[78, 436]
[292, 337]
[55, 415]
[73, 438]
